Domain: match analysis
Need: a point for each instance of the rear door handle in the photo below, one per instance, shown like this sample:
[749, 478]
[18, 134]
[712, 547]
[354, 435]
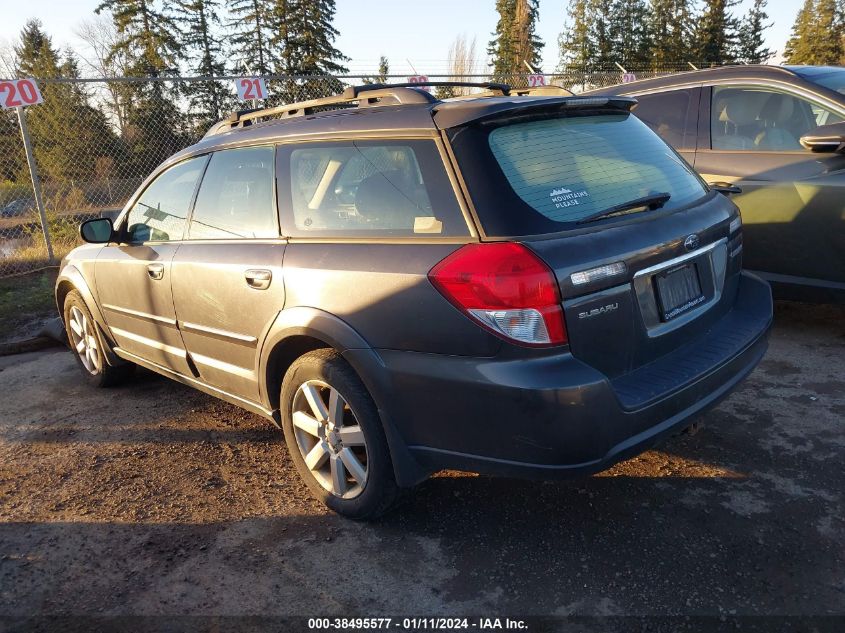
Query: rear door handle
[155, 271]
[258, 278]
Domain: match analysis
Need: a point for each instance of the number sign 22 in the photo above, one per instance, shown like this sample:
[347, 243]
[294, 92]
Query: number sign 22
[19, 92]
[251, 88]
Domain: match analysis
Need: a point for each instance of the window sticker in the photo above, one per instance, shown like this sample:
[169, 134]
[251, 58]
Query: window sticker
[563, 197]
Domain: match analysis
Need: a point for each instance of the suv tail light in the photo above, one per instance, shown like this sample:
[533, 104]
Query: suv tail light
[507, 289]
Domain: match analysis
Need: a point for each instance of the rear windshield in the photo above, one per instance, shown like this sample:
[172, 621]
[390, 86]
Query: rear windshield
[547, 175]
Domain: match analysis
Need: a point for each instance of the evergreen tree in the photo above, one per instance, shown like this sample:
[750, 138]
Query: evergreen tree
[602, 31]
[149, 44]
[383, 72]
[251, 35]
[303, 36]
[575, 41]
[515, 41]
[716, 33]
[316, 39]
[68, 135]
[630, 38]
[817, 35]
[672, 33]
[383, 69]
[204, 50]
[751, 46]
[147, 35]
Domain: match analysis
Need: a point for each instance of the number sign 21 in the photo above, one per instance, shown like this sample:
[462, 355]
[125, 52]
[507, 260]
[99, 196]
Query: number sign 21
[19, 92]
[251, 88]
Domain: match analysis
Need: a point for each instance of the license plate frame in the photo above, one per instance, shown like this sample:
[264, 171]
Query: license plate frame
[678, 290]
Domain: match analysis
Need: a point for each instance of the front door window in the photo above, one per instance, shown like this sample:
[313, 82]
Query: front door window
[763, 120]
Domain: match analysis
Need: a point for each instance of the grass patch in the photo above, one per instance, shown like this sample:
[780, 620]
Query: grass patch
[25, 301]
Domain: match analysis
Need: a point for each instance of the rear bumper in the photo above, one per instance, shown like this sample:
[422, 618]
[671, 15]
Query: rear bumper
[553, 416]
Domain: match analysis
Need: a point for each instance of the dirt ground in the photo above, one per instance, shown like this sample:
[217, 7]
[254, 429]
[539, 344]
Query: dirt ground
[156, 499]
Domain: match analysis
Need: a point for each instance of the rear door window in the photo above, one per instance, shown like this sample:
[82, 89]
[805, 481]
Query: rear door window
[367, 188]
[668, 114]
[235, 199]
[566, 169]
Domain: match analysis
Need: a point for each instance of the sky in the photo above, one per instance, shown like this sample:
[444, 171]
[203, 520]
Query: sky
[415, 35]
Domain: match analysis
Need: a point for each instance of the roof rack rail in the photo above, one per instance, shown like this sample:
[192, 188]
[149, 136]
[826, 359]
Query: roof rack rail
[365, 95]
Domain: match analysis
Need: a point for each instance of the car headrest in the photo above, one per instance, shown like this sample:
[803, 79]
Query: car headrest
[381, 195]
[737, 110]
[778, 109]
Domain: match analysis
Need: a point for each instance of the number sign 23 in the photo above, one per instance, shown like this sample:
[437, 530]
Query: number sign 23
[251, 88]
[19, 92]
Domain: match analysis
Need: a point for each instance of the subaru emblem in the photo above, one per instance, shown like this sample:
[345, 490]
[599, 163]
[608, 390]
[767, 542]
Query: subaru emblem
[691, 243]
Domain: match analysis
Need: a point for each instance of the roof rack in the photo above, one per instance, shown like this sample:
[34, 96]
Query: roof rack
[366, 95]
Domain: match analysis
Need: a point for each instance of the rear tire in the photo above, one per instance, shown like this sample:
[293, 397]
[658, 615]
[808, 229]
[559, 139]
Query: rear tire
[87, 345]
[335, 437]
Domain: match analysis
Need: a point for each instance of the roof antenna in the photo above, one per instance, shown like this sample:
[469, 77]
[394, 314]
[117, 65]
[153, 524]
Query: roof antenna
[412, 66]
[693, 66]
[531, 69]
[621, 67]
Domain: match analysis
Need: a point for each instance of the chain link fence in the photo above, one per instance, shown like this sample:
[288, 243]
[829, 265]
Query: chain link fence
[95, 140]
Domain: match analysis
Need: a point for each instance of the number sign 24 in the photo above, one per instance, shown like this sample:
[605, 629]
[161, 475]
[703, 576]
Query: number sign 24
[251, 88]
[19, 92]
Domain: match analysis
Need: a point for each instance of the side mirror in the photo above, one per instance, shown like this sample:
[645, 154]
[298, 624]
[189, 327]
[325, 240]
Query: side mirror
[725, 188]
[97, 231]
[825, 138]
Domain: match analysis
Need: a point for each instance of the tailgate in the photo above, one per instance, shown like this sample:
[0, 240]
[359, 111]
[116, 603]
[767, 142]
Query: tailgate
[678, 280]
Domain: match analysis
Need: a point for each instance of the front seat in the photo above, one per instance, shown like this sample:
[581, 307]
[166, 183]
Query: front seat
[735, 113]
[776, 114]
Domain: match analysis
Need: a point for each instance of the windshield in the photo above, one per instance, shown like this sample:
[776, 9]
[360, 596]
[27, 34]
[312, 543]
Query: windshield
[560, 171]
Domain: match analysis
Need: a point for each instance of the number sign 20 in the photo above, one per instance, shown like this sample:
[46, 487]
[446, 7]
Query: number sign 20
[19, 92]
[251, 88]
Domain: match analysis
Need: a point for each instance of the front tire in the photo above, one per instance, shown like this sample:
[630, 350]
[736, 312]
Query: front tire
[335, 437]
[87, 346]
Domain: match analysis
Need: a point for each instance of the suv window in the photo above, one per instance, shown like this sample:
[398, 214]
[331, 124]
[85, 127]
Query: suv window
[236, 196]
[666, 113]
[368, 188]
[159, 214]
[762, 119]
[561, 170]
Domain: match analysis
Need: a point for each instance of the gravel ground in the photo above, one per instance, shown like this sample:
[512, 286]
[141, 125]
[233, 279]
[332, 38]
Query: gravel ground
[156, 499]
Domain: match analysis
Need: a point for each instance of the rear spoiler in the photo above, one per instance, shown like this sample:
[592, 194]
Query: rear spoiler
[457, 113]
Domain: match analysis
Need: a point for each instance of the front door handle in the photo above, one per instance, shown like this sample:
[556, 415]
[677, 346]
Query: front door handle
[258, 278]
[155, 271]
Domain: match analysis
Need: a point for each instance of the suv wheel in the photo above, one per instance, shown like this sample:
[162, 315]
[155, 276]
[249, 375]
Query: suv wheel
[86, 344]
[335, 437]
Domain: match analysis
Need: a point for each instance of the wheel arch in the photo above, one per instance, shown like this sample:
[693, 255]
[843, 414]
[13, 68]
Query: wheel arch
[297, 331]
[71, 278]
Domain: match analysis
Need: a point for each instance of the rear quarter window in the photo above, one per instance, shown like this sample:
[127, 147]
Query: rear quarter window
[561, 170]
[367, 189]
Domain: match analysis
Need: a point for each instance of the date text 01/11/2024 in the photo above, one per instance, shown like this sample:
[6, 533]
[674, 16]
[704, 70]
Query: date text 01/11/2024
[417, 624]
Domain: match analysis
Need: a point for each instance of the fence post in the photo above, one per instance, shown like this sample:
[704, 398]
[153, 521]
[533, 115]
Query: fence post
[36, 181]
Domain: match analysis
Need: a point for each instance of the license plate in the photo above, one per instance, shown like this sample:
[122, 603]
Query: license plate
[678, 290]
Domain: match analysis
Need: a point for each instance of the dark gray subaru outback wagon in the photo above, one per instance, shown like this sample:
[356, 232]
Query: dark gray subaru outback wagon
[521, 286]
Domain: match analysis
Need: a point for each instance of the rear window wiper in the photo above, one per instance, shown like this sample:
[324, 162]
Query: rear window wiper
[651, 202]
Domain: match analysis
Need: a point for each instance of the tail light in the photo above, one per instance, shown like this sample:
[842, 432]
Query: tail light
[507, 289]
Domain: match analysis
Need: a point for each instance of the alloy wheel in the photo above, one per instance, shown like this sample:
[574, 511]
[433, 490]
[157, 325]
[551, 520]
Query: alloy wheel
[84, 340]
[330, 439]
